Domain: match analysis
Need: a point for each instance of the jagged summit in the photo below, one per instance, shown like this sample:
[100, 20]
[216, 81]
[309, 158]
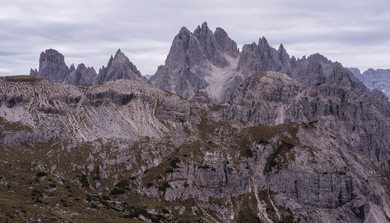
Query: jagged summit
[301, 140]
[52, 66]
[81, 76]
[194, 60]
[197, 60]
[118, 67]
[379, 78]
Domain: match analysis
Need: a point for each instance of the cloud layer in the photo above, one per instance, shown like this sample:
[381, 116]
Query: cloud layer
[354, 33]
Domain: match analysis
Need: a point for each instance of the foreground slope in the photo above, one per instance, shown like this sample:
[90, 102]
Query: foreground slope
[126, 151]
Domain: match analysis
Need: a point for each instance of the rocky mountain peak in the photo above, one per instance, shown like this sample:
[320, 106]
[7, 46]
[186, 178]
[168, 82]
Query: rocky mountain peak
[203, 30]
[52, 66]
[192, 58]
[119, 54]
[72, 68]
[118, 67]
[342, 77]
[284, 57]
[356, 72]
[81, 76]
[374, 78]
[263, 43]
[210, 46]
[262, 57]
[228, 45]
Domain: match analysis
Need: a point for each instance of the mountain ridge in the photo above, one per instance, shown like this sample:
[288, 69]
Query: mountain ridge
[217, 135]
[302, 152]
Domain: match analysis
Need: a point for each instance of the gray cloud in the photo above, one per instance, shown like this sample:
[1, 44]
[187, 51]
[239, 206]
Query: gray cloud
[351, 32]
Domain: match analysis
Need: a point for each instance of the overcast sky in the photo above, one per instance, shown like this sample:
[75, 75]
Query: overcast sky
[355, 33]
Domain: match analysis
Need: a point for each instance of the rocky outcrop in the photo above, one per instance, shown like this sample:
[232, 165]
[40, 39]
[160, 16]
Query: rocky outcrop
[194, 60]
[306, 145]
[81, 76]
[260, 57]
[374, 78]
[52, 67]
[356, 72]
[118, 67]
[312, 76]
[289, 154]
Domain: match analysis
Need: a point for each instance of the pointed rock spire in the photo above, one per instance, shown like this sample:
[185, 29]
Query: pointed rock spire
[228, 45]
[284, 57]
[52, 66]
[118, 67]
[81, 76]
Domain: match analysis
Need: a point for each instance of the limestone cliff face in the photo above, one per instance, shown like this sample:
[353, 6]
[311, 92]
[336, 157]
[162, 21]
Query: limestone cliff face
[118, 67]
[374, 78]
[256, 58]
[306, 144]
[195, 61]
[81, 76]
[211, 61]
[277, 152]
[52, 67]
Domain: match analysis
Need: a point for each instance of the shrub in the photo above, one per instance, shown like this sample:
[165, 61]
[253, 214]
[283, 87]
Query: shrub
[122, 184]
[249, 153]
[205, 167]
[174, 162]
[41, 174]
[83, 180]
[36, 191]
[164, 186]
[117, 191]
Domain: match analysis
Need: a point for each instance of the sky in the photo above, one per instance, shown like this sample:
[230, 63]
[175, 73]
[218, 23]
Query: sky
[354, 33]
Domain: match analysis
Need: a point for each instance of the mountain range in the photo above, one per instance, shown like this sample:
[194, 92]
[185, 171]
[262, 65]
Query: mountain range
[374, 79]
[215, 135]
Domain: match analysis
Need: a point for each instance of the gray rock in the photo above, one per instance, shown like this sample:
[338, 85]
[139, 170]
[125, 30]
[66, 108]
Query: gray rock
[312, 76]
[192, 59]
[377, 79]
[118, 67]
[300, 66]
[81, 76]
[52, 67]
[261, 57]
[356, 72]
[319, 154]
